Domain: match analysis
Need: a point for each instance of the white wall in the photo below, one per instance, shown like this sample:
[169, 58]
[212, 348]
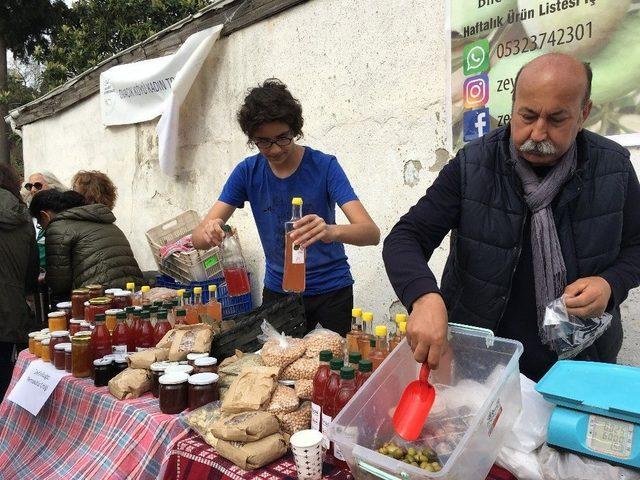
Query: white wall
[371, 77]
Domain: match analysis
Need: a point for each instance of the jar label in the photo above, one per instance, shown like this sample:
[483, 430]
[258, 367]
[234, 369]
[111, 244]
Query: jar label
[316, 416]
[326, 420]
[119, 349]
[297, 254]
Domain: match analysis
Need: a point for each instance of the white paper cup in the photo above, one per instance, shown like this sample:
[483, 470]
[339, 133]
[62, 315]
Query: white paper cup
[306, 446]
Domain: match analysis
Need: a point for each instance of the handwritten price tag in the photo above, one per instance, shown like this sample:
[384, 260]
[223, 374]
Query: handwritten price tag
[35, 386]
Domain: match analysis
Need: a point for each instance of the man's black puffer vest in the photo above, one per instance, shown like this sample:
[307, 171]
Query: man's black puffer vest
[486, 246]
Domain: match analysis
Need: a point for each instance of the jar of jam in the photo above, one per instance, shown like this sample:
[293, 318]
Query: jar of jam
[67, 357]
[32, 342]
[173, 392]
[111, 292]
[57, 321]
[37, 345]
[61, 336]
[205, 364]
[120, 364]
[75, 326]
[81, 356]
[96, 305]
[157, 370]
[203, 389]
[66, 308]
[102, 371]
[191, 357]
[110, 318]
[58, 355]
[121, 299]
[78, 297]
[188, 369]
[46, 356]
[95, 291]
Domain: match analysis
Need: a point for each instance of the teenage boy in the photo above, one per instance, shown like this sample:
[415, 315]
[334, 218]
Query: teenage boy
[272, 120]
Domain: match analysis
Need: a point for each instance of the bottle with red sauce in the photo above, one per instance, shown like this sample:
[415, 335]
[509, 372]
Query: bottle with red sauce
[100, 338]
[365, 368]
[146, 333]
[121, 340]
[330, 392]
[319, 383]
[162, 326]
[345, 393]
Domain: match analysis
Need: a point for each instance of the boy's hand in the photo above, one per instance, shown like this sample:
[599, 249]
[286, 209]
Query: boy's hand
[310, 229]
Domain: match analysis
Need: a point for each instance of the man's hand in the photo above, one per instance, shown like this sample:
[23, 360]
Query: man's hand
[587, 297]
[427, 329]
[212, 232]
[310, 229]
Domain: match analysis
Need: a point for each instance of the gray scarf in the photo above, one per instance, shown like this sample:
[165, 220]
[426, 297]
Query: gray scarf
[549, 271]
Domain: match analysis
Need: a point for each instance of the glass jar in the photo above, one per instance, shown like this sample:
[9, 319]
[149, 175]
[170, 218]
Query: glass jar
[61, 336]
[46, 355]
[81, 358]
[67, 358]
[102, 372]
[173, 392]
[111, 292]
[191, 357]
[188, 369]
[157, 370]
[121, 299]
[32, 342]
[120, 364]
[78, 297]
[96, 305]
[58, 355]
[110, 318]
[95, 291]
[57, 321]
[75, 326]
[37, 345]
[205, 364]
[66, 308]
[203, 389]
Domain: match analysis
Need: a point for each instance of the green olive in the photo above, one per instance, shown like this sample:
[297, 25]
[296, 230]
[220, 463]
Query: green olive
[397, 454]
[411, 451]
[415, 464]
[436, 466]
[411, 458]
[382, 450]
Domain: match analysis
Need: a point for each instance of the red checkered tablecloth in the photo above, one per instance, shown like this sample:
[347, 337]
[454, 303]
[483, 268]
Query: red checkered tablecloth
[193, 459]
[83, 432]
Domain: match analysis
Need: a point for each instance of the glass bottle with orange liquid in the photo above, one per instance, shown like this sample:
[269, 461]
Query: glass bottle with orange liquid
[294, 255]
[400, 317]
[381, 350]
[402, 332]
[213, 308]
[364, 342]
[356, 331]
[193, 310]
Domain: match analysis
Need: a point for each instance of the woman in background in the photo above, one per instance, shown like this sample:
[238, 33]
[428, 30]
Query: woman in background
[95, 187]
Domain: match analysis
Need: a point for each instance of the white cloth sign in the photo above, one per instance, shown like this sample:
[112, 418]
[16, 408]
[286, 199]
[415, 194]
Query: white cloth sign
[140, 91]
[36, 385]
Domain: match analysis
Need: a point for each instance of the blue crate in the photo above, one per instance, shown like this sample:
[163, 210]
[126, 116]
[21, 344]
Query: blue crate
[231, 306]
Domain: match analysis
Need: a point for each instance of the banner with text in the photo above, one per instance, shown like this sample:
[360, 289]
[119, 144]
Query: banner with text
[492, 39]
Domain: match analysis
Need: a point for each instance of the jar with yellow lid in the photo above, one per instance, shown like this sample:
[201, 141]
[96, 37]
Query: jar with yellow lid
[78, 297]
[95, 290]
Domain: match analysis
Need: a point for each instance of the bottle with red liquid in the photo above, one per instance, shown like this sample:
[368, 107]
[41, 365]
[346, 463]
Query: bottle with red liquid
[120, 338]
[365, 368]
[320, 380]
[329, 395]
[145, 335]
[181, 316]
[293, 280]
[234, 267]
[100, 338]
[345, 393]
[162, 326]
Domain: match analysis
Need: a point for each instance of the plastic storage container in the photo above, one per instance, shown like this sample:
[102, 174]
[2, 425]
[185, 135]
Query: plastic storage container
[477, 403]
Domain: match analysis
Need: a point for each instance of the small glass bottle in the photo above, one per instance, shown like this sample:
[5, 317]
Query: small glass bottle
[193, 311]
[234, 267]
[402, 333]
[145, 336]
[153, 314]
[381, 350]
[356, 330]
[293, 279]
[181, 315]
[144, 294]
[121, 341]
[354, 358]
[213, 308]
[130, 316]
[162, 327]
[100, 338]
[365, 368]
[364, 342]
[346, 391]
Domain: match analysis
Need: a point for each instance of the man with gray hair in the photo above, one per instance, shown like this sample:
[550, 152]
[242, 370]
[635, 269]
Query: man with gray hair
[538, 209]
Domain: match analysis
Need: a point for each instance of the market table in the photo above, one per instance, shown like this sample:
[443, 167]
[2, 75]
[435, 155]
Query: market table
[84, 432]
[191, 458]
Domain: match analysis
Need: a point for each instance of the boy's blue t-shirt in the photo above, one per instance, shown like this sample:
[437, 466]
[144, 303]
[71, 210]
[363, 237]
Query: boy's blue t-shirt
[322, 184]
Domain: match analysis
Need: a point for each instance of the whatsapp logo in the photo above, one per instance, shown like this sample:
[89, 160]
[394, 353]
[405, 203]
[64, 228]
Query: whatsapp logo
[476, 57]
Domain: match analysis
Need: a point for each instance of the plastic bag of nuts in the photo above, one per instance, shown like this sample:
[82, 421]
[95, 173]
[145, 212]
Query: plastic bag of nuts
[323, 339]
[304, 389]
[278, 349]
[296, 421]
[301, 369]
[284, 400]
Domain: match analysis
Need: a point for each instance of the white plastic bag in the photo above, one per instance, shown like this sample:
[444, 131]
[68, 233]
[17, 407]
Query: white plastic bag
[568, 335]
[569, 466]
[524, 466]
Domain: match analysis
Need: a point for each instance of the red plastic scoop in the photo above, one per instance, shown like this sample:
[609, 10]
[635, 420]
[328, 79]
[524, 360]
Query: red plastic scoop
[414, 406]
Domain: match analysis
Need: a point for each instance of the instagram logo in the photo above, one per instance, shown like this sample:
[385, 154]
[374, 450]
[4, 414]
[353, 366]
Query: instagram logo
[476, 91]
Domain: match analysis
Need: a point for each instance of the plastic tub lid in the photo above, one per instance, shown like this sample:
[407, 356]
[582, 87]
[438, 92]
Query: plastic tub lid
[174, 378]
[193, 356]
[206, 378]
[179, 369]
[159, 366]
[62, 346]
[205, 361]
[60, 333]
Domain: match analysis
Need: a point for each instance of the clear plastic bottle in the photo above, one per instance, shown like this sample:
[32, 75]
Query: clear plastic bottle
[356, 331]
[293, 279]
[234, 268]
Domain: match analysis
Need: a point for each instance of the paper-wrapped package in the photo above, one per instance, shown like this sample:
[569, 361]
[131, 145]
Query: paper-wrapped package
[252, 455]
[246, 426]
[130, 383]
[251, 390]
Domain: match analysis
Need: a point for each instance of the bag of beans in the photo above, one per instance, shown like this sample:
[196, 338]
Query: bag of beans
[246, 426]
[251, 390]
[322, 339]
[302, 369]
[304, 389]
[278, 349]
[190, 338]
[284, 400]
[252, 455]
[130, 383]
[145, 358]
[298, 420]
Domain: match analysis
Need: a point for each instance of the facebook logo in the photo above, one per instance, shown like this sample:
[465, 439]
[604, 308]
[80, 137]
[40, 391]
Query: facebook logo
[476, 123]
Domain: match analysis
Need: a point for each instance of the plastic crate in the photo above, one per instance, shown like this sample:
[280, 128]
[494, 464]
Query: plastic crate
[231, 306]
[196, 266]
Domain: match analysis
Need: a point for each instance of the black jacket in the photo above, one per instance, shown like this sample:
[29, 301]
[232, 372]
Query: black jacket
[18, 268]
[478, 197]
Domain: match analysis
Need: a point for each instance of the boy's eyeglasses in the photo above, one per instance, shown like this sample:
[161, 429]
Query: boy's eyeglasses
[266, 144]
[36, 185]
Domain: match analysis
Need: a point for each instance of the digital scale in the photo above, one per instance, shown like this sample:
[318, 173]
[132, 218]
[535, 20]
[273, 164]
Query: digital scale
[597, 410]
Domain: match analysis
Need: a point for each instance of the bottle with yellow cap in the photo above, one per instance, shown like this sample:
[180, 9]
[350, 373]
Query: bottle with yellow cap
[393, 334]
[381, 350]
[356, 331]
[193, 310]
[293, 279]
[144, 294]
[364, 342]
[213, 308]
[402, 333]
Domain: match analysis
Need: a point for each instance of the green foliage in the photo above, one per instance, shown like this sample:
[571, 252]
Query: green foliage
[17, 92]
